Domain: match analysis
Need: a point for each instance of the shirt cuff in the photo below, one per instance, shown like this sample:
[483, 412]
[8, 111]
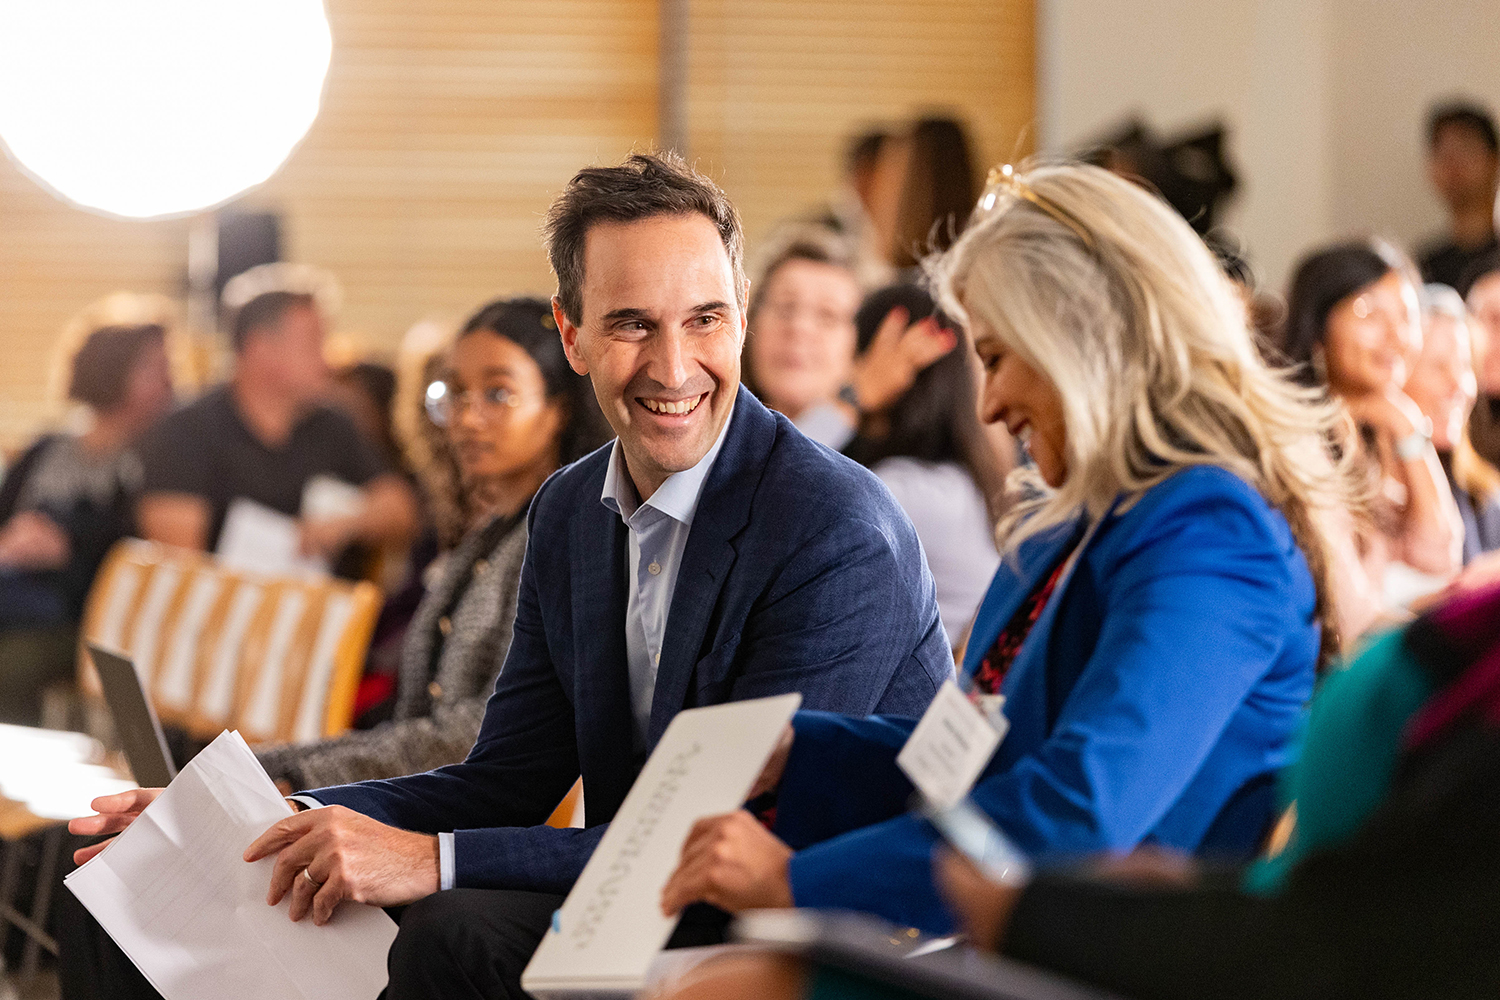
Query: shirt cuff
[307, 801]
[445, 861]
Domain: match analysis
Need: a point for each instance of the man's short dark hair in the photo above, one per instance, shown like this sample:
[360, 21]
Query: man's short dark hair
[646, 185]
[1464, 114]
[265, 311]
[101, 371]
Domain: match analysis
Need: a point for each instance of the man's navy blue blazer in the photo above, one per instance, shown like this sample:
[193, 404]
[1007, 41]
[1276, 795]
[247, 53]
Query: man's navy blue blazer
[800, 573]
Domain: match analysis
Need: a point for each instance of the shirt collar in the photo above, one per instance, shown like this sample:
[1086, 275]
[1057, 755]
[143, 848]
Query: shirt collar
[677, 497]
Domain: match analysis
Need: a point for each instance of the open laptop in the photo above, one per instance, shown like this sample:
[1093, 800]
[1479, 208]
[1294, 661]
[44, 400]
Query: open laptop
[135, 721]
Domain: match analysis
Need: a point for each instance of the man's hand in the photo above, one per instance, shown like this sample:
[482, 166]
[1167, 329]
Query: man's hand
[346, 855]
[732, 862]
[327, 537]
[115, 813]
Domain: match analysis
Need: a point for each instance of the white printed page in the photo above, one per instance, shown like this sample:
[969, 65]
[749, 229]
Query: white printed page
[176, 896]
[611, 925]
[257, 539]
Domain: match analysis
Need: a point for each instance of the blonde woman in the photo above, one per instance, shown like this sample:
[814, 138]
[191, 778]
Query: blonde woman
[1156, 624]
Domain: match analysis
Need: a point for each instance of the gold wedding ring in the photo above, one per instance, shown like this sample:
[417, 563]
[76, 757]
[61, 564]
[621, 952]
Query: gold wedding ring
[308, 875]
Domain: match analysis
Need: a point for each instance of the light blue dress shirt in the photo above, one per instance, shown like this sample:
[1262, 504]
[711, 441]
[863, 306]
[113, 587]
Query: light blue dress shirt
[658, 533]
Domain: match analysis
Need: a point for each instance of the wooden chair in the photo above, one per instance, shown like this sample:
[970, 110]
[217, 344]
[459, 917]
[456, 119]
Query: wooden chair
[278, 658]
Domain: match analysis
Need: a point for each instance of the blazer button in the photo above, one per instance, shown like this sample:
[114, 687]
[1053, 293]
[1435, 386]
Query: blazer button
[654, 569]
[435, 689]
[445, 626]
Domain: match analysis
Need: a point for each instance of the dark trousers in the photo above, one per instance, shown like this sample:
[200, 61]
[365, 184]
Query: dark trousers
[457, 944]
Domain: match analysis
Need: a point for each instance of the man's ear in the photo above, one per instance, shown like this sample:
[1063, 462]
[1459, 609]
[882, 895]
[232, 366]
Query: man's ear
[745, 313]
[568, 331]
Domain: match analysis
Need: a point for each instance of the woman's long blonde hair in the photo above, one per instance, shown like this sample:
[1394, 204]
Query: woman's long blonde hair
[1107, 291]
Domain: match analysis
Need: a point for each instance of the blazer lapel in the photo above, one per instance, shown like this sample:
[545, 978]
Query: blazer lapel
[1017, 577]
[601, 674]
[722, 513]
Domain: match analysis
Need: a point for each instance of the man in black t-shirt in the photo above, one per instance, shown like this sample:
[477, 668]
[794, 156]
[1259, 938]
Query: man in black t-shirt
[263, 437]
[1463, 163]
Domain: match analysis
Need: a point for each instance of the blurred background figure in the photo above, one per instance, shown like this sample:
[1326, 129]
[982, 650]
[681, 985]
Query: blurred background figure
[1354, 328]
[800, 350]
[1189, 171]
[264, 437]
[513, 412]
[1443, 386]
[850, 213]
[366, 391]
[66, 501]
[1463, 164]
[927, 446]
[937, 189]
[1480, 288]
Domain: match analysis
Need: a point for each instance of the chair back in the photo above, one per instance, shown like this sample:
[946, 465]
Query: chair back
[278, 658]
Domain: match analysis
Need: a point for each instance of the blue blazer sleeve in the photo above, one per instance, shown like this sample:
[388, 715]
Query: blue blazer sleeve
[1198, 605]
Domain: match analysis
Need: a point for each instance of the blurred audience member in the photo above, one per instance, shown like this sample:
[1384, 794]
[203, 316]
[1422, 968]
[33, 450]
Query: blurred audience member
[430, 463]
[1463, 163]
[800, 352]
[514, 412]
[1442, 385]
[937, 188]
[366, 391]
[1480, 288]
[1354, 327]
[263, 437]
[928, 448]
[851, 214]
[66, 501]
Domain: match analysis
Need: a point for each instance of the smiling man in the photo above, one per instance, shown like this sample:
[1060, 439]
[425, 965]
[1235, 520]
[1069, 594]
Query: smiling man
[711, 553]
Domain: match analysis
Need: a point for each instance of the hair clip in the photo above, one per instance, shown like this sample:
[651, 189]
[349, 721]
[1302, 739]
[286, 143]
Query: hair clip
[1004, 178]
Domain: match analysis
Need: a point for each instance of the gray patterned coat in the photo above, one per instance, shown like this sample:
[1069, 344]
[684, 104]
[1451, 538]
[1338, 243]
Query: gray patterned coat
[437, 715]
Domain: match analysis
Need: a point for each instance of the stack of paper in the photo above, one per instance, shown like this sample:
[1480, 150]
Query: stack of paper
[175, 894]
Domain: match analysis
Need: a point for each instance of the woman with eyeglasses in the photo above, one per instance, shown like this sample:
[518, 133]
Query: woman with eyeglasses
[1161, 605]
[512, 412]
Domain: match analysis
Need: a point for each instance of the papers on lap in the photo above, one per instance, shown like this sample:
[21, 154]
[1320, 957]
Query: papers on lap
[609, 929]
[175, 894]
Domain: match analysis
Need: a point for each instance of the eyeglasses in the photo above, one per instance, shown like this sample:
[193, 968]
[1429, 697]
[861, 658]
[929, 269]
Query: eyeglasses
[445, 404]
[1004, 180]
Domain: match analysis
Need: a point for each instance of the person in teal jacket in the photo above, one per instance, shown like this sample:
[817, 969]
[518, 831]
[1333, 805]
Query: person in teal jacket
[1158, 619]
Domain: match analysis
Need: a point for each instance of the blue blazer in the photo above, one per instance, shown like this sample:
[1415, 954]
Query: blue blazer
[800, 574]
[1153, 702]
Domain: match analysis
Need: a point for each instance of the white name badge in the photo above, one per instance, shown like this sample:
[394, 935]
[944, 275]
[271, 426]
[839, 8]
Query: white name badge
[950, 747]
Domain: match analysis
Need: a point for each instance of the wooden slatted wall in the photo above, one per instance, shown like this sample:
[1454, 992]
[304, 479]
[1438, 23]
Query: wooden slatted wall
[447, 126]
[777, 87]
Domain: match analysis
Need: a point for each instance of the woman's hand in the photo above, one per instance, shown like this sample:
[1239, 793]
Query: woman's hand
[733, 862]
[115, 813]
[982, 907]
[899, 353]
[770, 775]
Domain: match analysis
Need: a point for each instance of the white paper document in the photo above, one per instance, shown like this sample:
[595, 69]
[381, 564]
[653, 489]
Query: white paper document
[176, 896]
[611, 926]
[257, 539]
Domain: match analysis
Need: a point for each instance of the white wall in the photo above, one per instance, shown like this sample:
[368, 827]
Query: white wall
[1324, 100]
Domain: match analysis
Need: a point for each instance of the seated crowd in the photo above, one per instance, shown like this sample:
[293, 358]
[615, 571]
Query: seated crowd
[1232, 589]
